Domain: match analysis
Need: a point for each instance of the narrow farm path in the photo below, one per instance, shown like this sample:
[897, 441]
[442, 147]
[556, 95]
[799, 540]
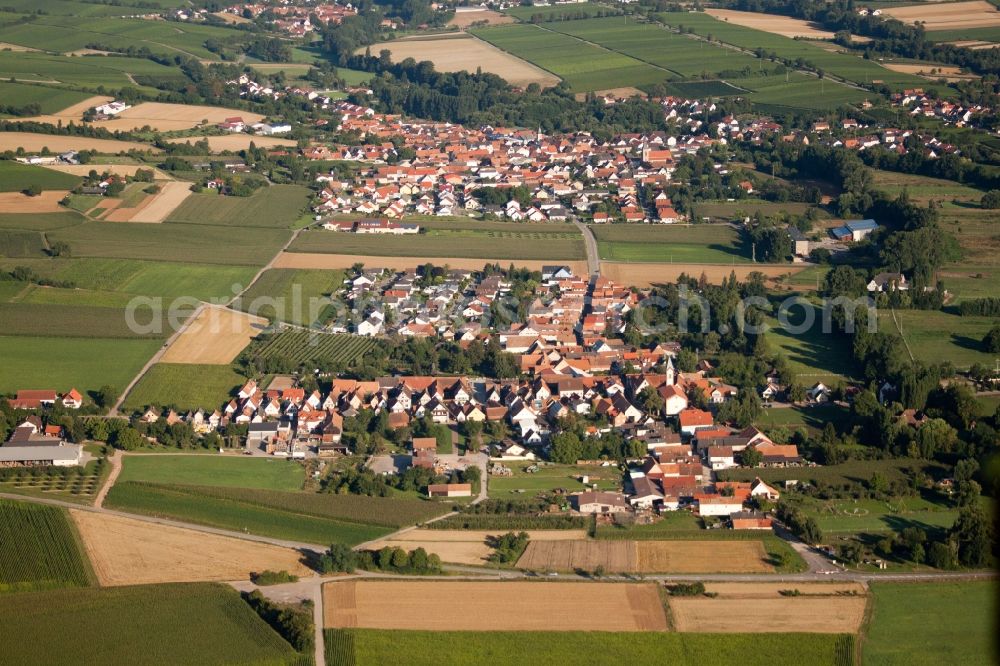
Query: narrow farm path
[116, 468]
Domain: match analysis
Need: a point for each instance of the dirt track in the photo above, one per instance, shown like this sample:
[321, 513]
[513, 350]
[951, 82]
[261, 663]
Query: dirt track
[465, 52]
[131, 552]
[334, 261]
[216, 337]
[46, 202]
[507, 606]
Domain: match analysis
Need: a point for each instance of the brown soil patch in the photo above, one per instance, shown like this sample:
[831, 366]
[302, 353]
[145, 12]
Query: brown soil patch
[778, 25]
[230, 18]
[215, 337]
[107, 206]
[333, 261]
[236, 141]
[159, 206]
[167, 117]
[647, 274]
[33, 143]
[729, 612]
[682, 557]
[126, 213]
[466, 546]
[46, 202]
[482, 606]
[464, 18]
[5, 46]
[465, 52]
[124, 551]
[948, 15]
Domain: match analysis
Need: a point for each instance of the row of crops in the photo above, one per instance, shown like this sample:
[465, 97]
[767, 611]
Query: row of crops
[39, 549]
[302, 346]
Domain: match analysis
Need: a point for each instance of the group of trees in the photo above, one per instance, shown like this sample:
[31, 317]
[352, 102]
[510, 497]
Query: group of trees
[572, 443]
[294, 623]
[507, 548]
[341, 558]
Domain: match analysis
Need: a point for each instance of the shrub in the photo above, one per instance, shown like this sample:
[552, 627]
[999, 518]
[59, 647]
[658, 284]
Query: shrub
[269, 577]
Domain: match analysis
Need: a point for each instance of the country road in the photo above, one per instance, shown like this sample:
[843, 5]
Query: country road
[590, 244]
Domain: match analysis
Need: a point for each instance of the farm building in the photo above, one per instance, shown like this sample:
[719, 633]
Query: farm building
[718, 505]
[750, 520]
[855, 230]
[28, 447]
[449, 490]
[600, 502]
[800, 244]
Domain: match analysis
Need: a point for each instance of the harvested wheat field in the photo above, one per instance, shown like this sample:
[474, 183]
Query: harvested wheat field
[493, 606]
[230, 18]
[162, 204]
[948, 15]
[778, 25]
[74, 112]
[461, 51]
[116, 169]
[236, 141]
[466, 546]
[647, 274]
[124, 551]
[334, 261]
[466, 16]
[215, 337]
[33, 143]
[702, 557]
[680, 557]
[817, 610]
[166, 117]
[930, 71]
[46, 202]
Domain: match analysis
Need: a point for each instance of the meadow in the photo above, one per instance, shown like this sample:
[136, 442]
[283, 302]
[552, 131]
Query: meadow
[372, 646]
[924, 188]
[200, 244]
[39, 362]
[278, 206]
[152, 624]
[39, 549]
[709, 244]
[39, 221]
[15, 177]
[934, 336]
[291, 287]
[548, 478]
[522, 242]
[48, 98]
[853, 471]
[989, 34]
[223, 471]
[583, 66]
[74, 321]
[556, 13]
[185, 503]
[925, 624]
[813, 418]
[812, 354]
[16, 243]
[184, 387]
[86, 9]
[873, 516]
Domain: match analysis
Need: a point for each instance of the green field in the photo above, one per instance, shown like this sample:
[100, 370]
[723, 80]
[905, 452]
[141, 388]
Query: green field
[583, 66]
[513, 242]
[39, 549]
[854, 471]
[796, 90]
[813, 417]
[185, 503]
[67, 33]
[384, 511]
[555, 13]
[49, 99]
[68, 484]
[923, 188]
[847, 66]
[990, 34]
[550, 477]
[62, 363]
[86, 9]
[71, 321]
[223, 471]
[699, 244]
[874, 516]
[365, 647]
[16, 243]
[15, 177]
[184, 386]
[934, 336]
[39, 221]
[294, 289]
[926, 624]
[79, 71]
[178, 624]
[277, 206]
[201, 244]
[812, 355]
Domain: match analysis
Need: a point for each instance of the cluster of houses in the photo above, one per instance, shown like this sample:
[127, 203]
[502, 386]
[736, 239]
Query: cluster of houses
[295, 19]
[34, 443]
